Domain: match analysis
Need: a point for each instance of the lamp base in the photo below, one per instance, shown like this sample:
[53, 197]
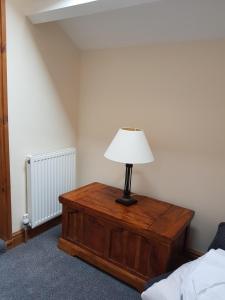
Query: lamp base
[126, 201]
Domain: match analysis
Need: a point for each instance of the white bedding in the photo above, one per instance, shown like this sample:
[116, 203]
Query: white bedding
[202, 279]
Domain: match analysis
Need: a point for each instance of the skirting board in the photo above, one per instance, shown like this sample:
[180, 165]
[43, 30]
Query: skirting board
[19, 236]
[193, 254]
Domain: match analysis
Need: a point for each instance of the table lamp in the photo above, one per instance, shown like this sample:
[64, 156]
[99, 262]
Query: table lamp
[129, 146]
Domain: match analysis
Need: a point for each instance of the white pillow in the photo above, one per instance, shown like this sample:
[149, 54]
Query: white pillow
[201, 279]
[170, 288]
[207, 280]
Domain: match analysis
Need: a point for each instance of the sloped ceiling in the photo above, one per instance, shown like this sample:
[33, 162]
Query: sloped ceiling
[107, 23]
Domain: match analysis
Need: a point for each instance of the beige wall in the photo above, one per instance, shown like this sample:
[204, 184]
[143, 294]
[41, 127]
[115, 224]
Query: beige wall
[176, 93]
[42, 91]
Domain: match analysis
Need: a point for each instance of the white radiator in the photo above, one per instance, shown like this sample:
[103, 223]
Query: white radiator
[48, 176]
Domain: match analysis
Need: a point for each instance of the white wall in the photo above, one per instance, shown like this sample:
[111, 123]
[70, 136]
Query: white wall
[43, 75]
[176, 93]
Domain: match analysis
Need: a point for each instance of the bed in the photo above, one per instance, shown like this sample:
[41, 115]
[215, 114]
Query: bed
[199, 279]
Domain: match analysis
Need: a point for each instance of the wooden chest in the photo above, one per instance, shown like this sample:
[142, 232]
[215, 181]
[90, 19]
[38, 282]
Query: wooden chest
[132, 243]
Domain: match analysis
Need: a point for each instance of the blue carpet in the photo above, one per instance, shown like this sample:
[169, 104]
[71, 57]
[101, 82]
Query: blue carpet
[39, 270]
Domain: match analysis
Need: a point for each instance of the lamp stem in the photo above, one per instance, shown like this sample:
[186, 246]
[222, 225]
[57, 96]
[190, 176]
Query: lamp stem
[128, 176]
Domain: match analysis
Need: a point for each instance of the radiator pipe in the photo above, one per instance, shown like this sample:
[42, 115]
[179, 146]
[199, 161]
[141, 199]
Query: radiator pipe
[26, 225]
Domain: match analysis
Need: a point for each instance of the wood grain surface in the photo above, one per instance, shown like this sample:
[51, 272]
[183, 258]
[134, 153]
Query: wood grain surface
[133, 243]
[5, 202]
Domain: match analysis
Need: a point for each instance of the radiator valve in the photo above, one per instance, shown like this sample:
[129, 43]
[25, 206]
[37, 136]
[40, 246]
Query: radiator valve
[26, 220]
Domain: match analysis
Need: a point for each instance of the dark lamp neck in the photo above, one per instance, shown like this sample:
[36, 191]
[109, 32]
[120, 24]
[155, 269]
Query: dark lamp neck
[128, 176]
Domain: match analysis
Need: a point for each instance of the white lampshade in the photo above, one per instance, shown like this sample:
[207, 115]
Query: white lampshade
[130, 146]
